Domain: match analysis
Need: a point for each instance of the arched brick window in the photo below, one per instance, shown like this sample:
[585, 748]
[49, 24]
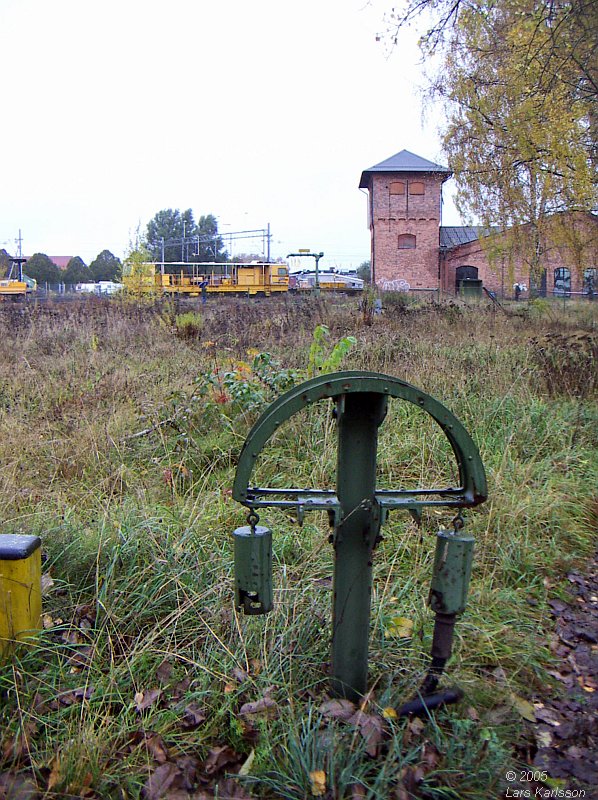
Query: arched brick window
[417, 187]
[397, 187]
[406, 241]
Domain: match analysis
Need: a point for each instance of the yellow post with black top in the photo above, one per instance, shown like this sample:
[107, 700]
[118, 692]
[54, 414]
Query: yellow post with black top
[20, 588]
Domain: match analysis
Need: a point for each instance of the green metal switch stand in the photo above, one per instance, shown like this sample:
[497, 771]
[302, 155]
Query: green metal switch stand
[357, 510]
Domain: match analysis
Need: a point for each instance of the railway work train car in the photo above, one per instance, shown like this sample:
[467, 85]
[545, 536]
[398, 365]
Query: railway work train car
[196, 279]
[256, 278]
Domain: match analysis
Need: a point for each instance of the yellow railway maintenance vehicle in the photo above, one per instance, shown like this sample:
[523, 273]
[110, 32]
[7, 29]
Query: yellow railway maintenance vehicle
[16, 285]
[205, 278]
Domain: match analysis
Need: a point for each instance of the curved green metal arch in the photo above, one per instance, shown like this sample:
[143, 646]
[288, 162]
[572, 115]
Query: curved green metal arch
[472, 491]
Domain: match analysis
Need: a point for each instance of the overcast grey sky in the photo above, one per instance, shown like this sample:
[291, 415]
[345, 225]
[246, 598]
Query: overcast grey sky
[258, 112]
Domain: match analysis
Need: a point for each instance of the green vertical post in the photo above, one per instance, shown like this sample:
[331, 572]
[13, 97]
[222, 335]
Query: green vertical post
[317, 256]
[358, 416]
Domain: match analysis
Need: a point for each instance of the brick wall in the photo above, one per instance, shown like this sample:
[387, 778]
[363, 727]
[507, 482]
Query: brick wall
[404, 211]
[472, 254]
[396, 211]
[499, 276]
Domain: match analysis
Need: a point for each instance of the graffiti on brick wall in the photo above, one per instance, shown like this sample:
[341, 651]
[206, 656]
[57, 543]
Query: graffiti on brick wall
[396, 285]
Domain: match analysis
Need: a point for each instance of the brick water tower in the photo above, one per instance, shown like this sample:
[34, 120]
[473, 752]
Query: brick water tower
[404, 213]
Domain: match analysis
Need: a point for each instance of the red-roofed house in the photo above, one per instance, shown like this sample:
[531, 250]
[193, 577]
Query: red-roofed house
[60, 261]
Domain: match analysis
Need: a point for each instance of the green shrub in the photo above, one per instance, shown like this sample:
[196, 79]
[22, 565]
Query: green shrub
[188, 325]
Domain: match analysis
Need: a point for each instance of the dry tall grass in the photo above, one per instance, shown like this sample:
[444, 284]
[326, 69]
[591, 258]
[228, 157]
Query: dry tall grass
[118, 444]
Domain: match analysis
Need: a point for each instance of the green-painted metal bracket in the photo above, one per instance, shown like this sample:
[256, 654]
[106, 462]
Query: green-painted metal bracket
[471, 491]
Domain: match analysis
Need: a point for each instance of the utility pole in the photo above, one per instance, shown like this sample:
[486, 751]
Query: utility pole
[269, 236]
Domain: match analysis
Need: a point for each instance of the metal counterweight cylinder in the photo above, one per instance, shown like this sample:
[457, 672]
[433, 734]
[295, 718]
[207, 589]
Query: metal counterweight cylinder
[253, 569]
[451, 572]
[448, 597]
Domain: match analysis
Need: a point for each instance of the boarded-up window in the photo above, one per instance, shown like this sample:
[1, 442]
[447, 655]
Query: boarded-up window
[397, 187]
[416, 187]
[406, 241]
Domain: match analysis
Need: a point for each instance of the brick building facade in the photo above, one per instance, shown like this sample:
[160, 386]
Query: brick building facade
[411, 249]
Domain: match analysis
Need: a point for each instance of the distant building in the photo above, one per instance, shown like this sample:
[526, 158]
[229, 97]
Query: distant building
[60, 261]
[410, 249]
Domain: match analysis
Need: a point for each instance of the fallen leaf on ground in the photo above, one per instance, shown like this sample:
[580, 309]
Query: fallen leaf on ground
[499, 675]
[411, 777]
[240, 675]
[180, 689]
[227, 789]
[338, 709]
[188, 767]
[160, 781]
[246, 768]
[17, 787]
[401, 627]
[18, 747]
[430, 755]
[219, 758]
[400, 793]
[85, 616]
[416, 725]
[371, 728]
[585, 684]
[318, 782]
[47, 583]
[256, 666]
[55, 773]
[143, 700]
[543, 739]
[547, 715]
[193, 716]
[155, 745]
[265, 707]
[164, 672]
[81, 659]
[523, 707]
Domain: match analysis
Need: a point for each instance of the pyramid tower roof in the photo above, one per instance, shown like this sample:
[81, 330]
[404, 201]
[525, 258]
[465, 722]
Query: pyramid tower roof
[404, 161]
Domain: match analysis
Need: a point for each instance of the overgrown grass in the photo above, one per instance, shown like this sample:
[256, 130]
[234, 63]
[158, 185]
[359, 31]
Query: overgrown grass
[118, 445]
